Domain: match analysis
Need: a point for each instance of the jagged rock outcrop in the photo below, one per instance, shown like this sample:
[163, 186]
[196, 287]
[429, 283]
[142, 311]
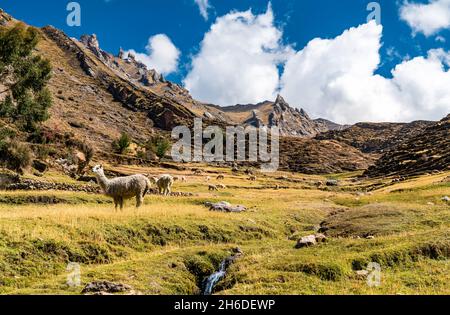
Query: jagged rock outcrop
[375, 137]
[5, 18]
[164, 112]
[425, 152]
[292, 122]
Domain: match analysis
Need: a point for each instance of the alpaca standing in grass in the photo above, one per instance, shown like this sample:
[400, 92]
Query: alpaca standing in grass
[164, 184]
[123, 188]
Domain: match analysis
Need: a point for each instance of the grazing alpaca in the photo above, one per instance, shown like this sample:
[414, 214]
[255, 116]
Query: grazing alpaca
[213, 188]
[220, 177]
[164, 184]
[123, 188]
[221, 186]
[180, 179]
[252, 178]
[207, 178]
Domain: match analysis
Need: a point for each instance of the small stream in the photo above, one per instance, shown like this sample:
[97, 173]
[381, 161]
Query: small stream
[211, 282]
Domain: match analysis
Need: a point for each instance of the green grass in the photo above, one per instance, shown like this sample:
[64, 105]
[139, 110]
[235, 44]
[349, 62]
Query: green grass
[171, 244]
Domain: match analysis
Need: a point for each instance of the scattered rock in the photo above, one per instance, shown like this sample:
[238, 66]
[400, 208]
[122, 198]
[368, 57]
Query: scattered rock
[105, 288]
[361, 274]
[224, 206]
[40, 166]
[306, 241]
[321, 238]
[332, 183]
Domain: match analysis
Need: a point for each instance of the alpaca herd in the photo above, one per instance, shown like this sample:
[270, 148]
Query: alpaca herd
[137, 186]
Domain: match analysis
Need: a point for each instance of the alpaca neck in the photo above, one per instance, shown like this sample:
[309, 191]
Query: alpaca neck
[102, 180]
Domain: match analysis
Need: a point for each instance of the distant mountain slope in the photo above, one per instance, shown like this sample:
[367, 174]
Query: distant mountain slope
[311, 156]
[426, 151]
[291, 121]
[375, 137]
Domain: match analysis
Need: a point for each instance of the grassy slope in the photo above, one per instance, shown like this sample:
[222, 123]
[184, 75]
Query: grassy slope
[170, 244]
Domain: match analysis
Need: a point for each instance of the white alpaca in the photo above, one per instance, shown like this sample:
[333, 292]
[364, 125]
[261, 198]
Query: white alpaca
[123, 188]
[164, 184]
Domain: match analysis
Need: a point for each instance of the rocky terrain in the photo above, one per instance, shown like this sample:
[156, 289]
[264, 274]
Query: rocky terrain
[425, 152]
[311, 156]
[375, 137]
[291, 121]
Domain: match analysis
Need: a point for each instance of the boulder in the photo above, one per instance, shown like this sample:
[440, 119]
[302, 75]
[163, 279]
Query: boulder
[306, 241]
[40, 166]
[105, 287]
[332, 183]
[224, 206]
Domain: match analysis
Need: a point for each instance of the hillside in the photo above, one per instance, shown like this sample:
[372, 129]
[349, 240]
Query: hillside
[375, 137]
[311, 156]
[424, 152]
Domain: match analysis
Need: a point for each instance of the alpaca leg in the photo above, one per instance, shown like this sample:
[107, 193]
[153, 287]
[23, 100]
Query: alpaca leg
[139, 201]
[121, 204]
[116, 203]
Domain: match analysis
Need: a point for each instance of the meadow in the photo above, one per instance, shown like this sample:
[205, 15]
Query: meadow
[171, 244]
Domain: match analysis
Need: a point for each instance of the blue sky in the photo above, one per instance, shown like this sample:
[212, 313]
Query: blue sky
[130, 23]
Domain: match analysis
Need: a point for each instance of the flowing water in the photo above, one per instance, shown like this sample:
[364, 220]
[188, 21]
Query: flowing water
[213, 279]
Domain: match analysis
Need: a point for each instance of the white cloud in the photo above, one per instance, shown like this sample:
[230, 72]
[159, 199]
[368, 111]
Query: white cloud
[203, 6]
[161, 54]
[238, 59]
[334, 78]
[428, 18]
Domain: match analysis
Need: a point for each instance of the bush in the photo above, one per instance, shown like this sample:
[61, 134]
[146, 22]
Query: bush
[88, 152]
[27, 98]
[159, 146]
[122, 144]
[15, 155]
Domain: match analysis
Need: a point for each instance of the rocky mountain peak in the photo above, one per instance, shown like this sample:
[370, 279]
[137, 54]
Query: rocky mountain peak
[90, 41]
[4, 18]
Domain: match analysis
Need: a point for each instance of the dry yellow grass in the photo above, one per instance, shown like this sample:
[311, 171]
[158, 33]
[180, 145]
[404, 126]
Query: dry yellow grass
[160, 248]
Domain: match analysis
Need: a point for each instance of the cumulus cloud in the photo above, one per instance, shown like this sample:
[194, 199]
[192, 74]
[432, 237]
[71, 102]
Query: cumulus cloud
[161, 54]
[428, 18]
[203, 6]
[334, 78]
[238, 60]
[242, 55]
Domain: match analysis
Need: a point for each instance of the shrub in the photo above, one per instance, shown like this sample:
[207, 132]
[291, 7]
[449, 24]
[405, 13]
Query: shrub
[159, 146]
[88, 152]
[122, 144]
[27, 98]
[15, 155]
